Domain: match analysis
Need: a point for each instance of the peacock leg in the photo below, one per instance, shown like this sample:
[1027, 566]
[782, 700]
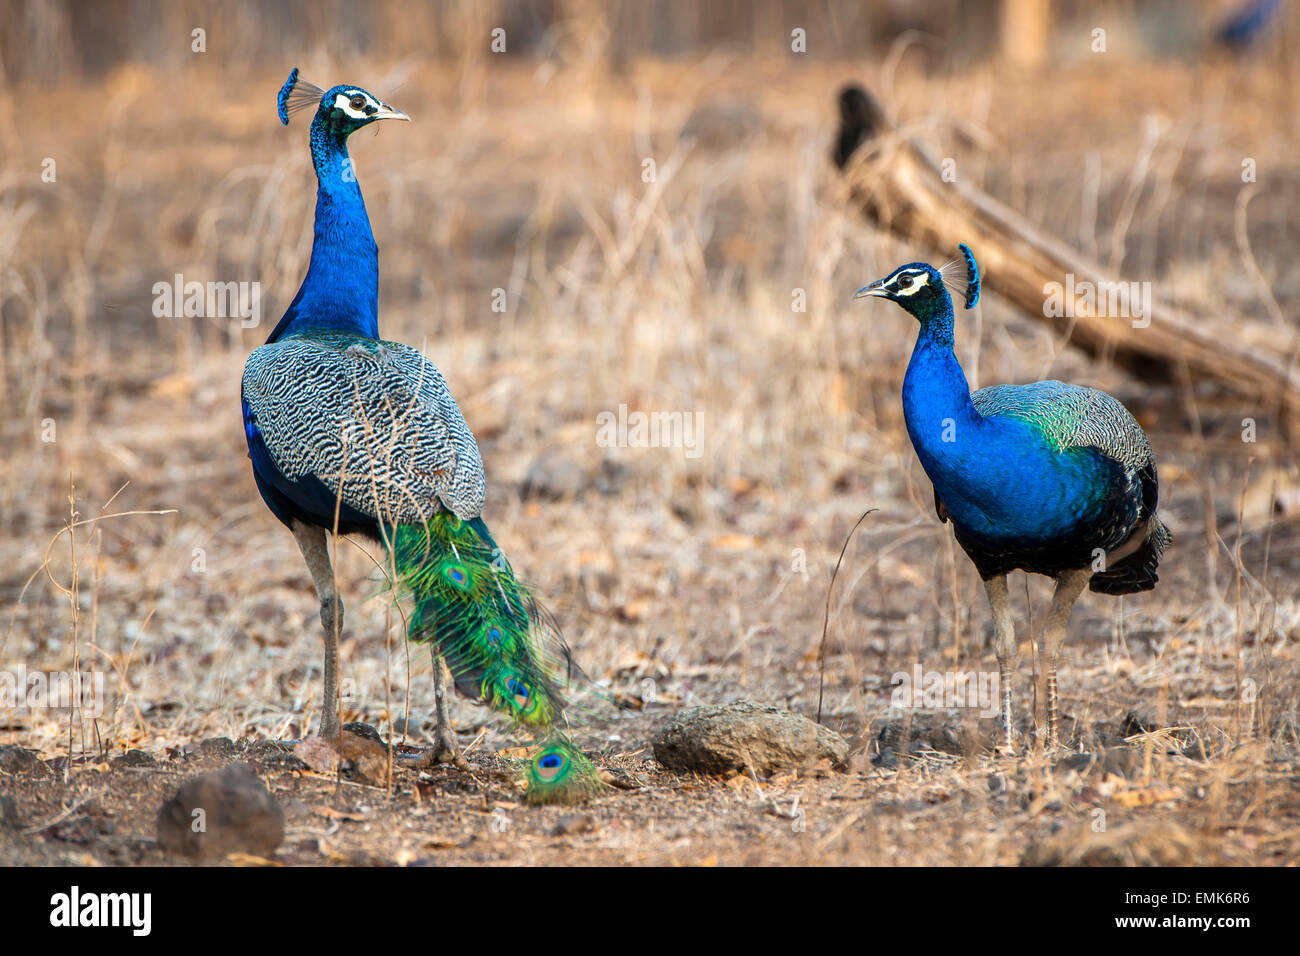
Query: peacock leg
[445, 749]
[1068, 588]
[315, 551]
[1004, 631]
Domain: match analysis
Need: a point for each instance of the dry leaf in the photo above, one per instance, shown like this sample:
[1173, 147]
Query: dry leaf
[1146, 796]
[367, 759]
[317, 753]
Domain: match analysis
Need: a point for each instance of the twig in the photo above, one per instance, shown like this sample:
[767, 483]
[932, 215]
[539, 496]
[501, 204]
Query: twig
[821, 651]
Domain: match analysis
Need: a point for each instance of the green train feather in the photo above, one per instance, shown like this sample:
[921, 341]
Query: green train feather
[561, 773]
[499, 644]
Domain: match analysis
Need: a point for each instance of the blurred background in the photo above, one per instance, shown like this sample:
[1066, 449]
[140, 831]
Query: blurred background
[647, 187]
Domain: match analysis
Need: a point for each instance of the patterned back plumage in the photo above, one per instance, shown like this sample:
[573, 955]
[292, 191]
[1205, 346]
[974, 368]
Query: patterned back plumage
[1072, 416]
[372, 418]
[1075, 417]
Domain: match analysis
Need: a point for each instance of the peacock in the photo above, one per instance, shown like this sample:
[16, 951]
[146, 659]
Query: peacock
[1047, 478]
[353, 435]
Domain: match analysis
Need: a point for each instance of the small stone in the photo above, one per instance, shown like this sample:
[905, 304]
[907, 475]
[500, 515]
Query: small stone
[216, 814]
[21, 762]
[932, 731]
[575, 823]
[133, 758]
[218, 747]
[273, 754]
[82, 829]
[741, 735]
[8, 813]
[611, 476]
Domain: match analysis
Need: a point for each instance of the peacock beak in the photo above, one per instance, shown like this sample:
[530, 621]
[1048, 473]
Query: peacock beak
[387, 112]
[876, 288]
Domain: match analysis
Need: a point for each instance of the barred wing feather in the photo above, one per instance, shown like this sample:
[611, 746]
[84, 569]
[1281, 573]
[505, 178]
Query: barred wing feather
[374, 419]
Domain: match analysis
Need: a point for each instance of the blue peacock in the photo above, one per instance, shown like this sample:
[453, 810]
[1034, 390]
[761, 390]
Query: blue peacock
[350, 434]
[1048, 478]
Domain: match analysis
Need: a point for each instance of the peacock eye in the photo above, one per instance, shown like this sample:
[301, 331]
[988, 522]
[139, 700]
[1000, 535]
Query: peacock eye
[357, 102]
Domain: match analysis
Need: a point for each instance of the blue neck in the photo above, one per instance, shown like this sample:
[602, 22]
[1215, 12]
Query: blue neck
[936, 395]
[341, 290]
[952, 440]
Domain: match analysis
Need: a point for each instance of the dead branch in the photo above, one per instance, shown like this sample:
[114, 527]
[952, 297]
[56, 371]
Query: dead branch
[900, 187]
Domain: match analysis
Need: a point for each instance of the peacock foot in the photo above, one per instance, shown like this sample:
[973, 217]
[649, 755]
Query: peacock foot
[445, 751]
[329, 725]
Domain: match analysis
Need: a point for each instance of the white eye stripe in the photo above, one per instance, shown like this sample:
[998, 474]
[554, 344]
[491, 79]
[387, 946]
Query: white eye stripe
[901, 288]
[342, 101]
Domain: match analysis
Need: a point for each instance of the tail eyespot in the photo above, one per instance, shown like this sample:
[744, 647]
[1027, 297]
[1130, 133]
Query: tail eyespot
[550, 765]
[519, 690]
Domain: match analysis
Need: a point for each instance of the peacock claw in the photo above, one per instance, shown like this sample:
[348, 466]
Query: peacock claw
[434, 757]
[444, 752]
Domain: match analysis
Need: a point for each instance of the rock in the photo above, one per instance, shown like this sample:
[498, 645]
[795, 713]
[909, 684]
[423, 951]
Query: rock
[218, 747]
[21, 762]
[611, 476]
[237, 815]
[275, 755]
[133, 758]
[744, 734]
[554, 477]
[575, 823]
[9, 813]
[82, 828]
[930, 732]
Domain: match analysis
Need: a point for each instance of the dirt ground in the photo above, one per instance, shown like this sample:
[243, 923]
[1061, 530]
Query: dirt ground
[677, 580]
[1134, 805]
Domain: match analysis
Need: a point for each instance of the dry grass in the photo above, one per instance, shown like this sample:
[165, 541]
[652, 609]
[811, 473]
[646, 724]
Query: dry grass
[672, 295]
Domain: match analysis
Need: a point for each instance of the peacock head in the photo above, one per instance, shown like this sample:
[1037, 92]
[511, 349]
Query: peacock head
[922, 289]
[342, 109]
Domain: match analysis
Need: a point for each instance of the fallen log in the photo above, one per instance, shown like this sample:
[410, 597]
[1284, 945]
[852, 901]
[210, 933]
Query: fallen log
[900, 187]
